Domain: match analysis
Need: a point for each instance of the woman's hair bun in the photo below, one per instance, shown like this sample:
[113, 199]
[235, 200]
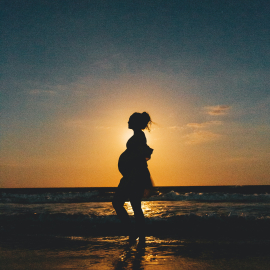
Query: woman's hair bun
[146, 119]
[146, 116]
[141, 120]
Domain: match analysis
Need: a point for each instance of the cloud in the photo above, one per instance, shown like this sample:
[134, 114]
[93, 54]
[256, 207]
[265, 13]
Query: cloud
[175, 128]
[84, 124]
[111, 62]
[79, 124]
[104, 64]
[195, 126]
[204, 124]
[217, 110]
[242, 159]
[201, 136]
[42, 92]
[102, 127]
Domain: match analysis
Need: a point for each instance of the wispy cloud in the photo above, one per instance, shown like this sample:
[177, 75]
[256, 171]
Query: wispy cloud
[204, 124]
[175, 128]
[77, 123]
[201, 136]
[84, 124]
[102, 127]
[110, 62]
[242, 159]
[42, 92]
[217, 110]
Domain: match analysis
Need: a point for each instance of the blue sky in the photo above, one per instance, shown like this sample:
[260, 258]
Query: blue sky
[72, 72]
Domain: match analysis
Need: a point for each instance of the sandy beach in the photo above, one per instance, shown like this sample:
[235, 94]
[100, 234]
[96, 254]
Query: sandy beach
[50, 252]
[196, 230]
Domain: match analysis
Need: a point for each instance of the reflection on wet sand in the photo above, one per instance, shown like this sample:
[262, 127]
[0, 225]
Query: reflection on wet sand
[150, 209]
[49, 252]
[131, 258]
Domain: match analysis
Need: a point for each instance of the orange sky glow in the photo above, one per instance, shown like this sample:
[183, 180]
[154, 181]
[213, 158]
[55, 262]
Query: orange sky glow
[193, 144]
[74, 72]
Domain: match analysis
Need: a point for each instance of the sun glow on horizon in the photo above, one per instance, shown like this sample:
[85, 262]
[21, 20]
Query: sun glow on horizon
[83, 147]
[126, 135]
[147, 208]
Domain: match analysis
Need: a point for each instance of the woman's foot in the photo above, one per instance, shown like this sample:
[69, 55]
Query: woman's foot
[132, 238]
[141, 241]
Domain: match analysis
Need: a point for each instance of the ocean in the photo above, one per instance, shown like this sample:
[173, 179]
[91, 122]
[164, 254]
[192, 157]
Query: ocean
[179, 220]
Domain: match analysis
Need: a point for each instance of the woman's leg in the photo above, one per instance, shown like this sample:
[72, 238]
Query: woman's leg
[118, 204]
[139, 217]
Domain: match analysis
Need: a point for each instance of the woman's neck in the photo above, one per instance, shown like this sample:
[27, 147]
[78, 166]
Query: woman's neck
[136, 131]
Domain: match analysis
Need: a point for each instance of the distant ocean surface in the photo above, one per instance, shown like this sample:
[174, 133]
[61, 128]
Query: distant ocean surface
[217, 211]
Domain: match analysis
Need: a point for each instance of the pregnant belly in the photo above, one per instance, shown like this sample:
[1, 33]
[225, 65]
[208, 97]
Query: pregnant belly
[128, 164]
[125, 163]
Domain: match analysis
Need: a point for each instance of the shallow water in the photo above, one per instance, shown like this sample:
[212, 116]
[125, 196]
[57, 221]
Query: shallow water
[50, 252]
[180, 218]
[63, 229]
[150, 208]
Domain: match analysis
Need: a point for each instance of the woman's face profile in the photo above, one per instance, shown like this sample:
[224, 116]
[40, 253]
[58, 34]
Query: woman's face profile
[131, 124]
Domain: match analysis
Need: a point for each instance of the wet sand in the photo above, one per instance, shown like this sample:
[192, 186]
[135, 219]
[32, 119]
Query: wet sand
[50, 252]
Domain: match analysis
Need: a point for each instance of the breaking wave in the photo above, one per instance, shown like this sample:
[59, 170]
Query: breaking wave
[211, 197]
[182, 225]
[97, 196]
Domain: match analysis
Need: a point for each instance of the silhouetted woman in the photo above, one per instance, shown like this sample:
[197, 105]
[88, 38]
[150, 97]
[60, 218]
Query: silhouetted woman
[136, 178]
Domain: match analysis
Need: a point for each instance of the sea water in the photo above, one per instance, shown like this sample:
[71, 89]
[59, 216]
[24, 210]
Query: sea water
[192, 228]
[176, 211]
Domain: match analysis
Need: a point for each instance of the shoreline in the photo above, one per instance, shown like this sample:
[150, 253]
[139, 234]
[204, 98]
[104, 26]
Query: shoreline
[54, 252]
[242, 189]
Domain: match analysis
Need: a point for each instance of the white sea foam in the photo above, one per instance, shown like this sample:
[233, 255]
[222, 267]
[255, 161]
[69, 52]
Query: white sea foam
[92, 196]
[218, 197]
[61, 197]
[181, 213]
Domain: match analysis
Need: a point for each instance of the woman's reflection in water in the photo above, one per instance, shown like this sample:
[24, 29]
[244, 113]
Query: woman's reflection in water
[131, 259]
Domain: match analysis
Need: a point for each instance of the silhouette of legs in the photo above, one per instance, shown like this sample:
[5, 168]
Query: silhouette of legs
[118, 204]
[121, 196]
[139, 216]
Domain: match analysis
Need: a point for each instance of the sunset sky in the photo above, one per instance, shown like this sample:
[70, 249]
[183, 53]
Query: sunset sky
[72, 72]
